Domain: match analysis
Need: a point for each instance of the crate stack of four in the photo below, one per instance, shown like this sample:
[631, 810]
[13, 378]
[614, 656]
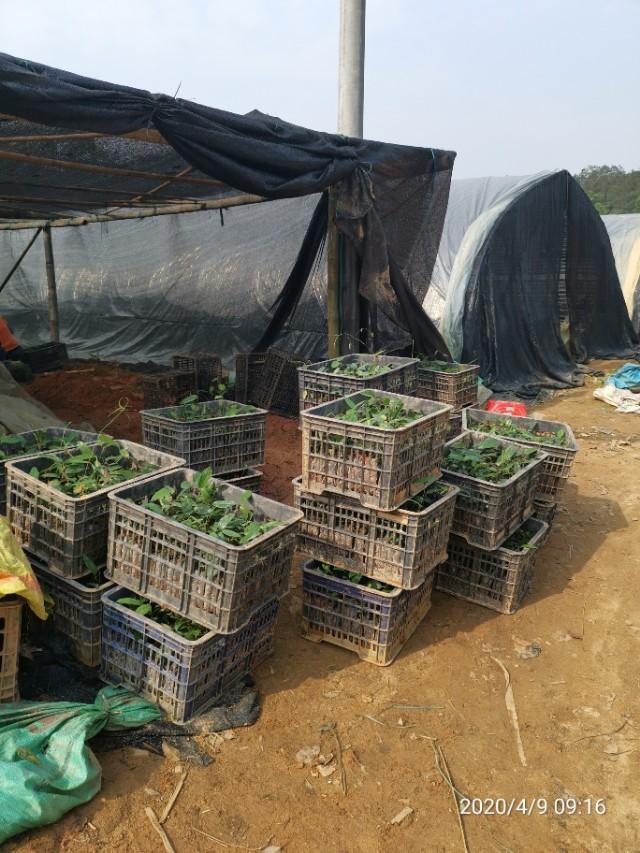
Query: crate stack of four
[452, 383]
[376, 519]
[494, 536]
[61, 520]
[201, 566]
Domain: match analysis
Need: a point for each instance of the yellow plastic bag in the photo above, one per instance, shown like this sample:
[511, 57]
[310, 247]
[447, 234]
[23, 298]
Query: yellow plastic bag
[16, 574]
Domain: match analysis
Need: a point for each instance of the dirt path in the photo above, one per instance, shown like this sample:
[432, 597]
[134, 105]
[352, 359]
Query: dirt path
[577, 702]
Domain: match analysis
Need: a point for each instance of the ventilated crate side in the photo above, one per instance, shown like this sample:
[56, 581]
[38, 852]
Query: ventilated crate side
[207, 367]
[31, 441]
[557, 465]
[77, 613]
[183, 677]
[58, 529]
[374, 624]
[10, 624]
[317, 386]
[248, 370]
[457, 389]
[399, 548]
[224, 443]
[486, 514]
[544, 509]
[455, 426]
[167, 388]
[380, 467]
[193, 574]
[497, 579]
[249, 478]
[277, 387]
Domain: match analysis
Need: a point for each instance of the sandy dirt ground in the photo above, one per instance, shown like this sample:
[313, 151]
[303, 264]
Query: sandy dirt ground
[577, 701]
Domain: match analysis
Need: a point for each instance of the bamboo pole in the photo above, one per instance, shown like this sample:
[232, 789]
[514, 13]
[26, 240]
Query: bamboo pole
[142, 213]
[52, 294]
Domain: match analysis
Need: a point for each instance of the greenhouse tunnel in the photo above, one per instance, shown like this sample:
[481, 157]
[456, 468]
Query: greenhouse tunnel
[525, 283]
[624, 233]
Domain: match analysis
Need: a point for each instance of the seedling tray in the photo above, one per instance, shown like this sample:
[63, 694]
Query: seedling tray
[168, 387]
[77, 613]
[379, 467]
[374, 624]
[224, 443]
[557, 465]
[205, 579]
[248, 371]
[317, 386]
[497, 579]
[486, 514]
[206, 365]
[10, 624]
[31, 442]
[249, 478]
[399, 547]
[58, 529]
[183, 677]
[457, 389]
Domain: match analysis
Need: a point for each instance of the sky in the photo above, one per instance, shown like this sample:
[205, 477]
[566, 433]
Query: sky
[514, 86]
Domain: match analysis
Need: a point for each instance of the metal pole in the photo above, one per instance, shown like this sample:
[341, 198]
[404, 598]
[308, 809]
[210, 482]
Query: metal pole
[343, 308]
[54, 325]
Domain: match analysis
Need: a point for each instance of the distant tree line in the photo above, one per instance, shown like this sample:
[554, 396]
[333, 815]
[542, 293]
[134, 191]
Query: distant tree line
[611, 189]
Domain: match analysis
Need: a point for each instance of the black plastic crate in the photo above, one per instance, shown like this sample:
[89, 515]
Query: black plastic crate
[167, 388]
[248, 372]
[206, 365]
[49, 356]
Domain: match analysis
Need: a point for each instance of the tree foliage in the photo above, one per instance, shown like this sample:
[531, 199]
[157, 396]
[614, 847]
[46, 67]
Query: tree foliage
[611, 188]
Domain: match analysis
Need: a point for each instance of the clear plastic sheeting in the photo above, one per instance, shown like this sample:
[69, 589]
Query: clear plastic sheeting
[624, 233]
[525, 283]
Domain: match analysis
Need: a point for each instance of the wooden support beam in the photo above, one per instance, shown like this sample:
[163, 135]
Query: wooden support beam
[54, 324]
[142, 213]
[149, 134]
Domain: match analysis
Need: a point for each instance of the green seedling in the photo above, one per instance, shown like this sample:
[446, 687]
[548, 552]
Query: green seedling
[190, 409]
[19, 445]
[442, 366]
[356, 369]
[198, 505]
[426, 497]
[81, 471]
[519, 541]
[488, 460]
[383, 412]
[510, 429]
[180, 625]
[353, 577]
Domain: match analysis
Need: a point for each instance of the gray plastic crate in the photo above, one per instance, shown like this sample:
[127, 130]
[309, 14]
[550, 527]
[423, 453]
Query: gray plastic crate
[248, 371]
[557, 465]
[455, 426]
[497, 579]
[277, 385]
[59, 529]
[205, 579]
[183, 677]
[249, 478]
[379, 467]
[10, 625]
[488, 513]
[224, 443]
[77, 613]
[318, 386]
[374, 624]
[207, 367]
[31, 445]
[399, 547]
[457, 389]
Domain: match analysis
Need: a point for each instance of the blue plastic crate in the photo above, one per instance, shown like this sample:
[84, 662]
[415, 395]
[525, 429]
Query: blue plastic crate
[182, 677]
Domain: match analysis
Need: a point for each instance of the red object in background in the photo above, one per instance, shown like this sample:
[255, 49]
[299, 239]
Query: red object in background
[507, 407]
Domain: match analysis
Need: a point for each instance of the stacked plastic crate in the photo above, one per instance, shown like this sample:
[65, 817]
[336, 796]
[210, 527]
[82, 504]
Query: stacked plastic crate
[223, 435]
[192, 614]
[452, 383]
[373, 535]
[65, 536]
[494, 537]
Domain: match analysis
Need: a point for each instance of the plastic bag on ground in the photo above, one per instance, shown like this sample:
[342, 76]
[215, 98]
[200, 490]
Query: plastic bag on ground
[46, 768]
[16, 574]
[627, 378]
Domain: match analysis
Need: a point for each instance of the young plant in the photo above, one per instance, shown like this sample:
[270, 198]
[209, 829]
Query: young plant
[190, 409]
[95, 576]
[82, 471]
[383, 412]
[488, 460]
[426, 497]
[357, 369]
[180, 625]
[353, 577]
[510, 429]
[198, 505]
[519, 541]
[442, 366]
[19, 445]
